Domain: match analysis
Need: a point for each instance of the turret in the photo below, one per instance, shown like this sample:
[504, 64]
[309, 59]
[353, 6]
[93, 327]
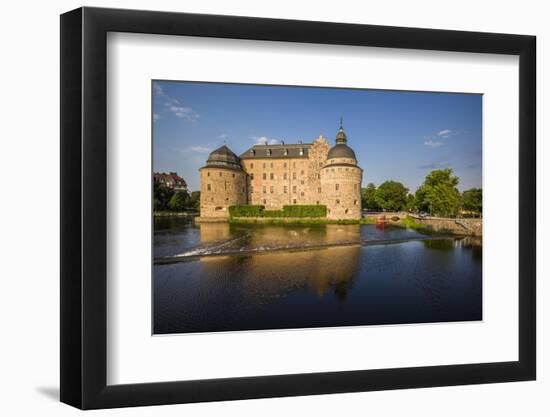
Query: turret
[223, 183]
[341, 180]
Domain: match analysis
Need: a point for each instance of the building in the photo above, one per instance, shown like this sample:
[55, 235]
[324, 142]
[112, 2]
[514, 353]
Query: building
[284, 174]
[171, 180]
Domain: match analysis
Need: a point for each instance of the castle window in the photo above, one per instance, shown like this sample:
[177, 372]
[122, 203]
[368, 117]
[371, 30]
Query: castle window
[271, 165]
[293, 175]
[264, 189]
[271, 189]
[302, 172]
[318, 176]
[302, 193]
[355, 187]
[294, 201]
[226, 198]
[284, 165]
[319, 190]
[317, 203]
[293, 188]
[221, 174]
[252, 165]
[264, 175]
[271, 176]
[355, 202]
[206, 174]
[208, 187]
[251, 189]
[337, 187]
[233, 175]
[346, 211]
[263, 164]
[251, 175]
[225, 186]
[294, 165]
[285, 189]
[265, 201]
[337, 201]
[302, 182]
[285, 176]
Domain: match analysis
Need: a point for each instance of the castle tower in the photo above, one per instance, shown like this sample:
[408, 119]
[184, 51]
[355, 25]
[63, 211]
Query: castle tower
[341, 180]
[223, 183]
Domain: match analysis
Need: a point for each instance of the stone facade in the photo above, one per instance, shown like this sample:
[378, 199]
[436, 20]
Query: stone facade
[284, 174]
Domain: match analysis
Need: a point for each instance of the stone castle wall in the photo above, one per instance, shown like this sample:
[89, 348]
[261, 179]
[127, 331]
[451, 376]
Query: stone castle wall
[274, 182]
[221, 188]
[341, 189]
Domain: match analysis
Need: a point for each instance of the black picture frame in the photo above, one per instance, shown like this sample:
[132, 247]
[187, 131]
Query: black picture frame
[84, 207]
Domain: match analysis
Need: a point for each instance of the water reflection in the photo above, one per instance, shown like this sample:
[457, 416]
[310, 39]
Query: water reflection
[417, 281]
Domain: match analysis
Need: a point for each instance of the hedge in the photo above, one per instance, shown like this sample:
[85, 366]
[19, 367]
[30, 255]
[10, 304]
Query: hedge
[246, 211]
[287, 211]
[305, 211]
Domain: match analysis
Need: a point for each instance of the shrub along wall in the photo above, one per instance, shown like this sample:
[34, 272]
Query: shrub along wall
[246, 211]
[287, 211]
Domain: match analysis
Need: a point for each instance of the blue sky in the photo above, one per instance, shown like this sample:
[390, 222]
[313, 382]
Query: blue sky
[396, 135]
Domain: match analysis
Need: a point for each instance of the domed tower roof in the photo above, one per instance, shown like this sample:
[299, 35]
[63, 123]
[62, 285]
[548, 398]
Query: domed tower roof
[223, 157]
[341, 149]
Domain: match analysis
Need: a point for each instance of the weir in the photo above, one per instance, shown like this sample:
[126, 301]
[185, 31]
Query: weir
[192, 255]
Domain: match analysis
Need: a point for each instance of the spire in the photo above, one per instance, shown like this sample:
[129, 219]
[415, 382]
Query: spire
[341, 135]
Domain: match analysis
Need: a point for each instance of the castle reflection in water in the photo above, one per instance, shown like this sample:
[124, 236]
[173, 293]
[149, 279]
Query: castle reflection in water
[252, 277]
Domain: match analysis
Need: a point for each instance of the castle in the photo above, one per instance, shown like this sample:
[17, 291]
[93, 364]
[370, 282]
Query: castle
[284, 174]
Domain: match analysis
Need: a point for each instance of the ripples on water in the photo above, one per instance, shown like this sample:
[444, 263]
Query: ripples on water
[412, 282]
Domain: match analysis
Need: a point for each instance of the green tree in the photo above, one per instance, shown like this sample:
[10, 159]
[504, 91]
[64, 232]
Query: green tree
[438, 194]
[161, 196]
[194, 200]
[472, 200]
[367, 197]
[411, 202]
[391, 196]
[179, 201]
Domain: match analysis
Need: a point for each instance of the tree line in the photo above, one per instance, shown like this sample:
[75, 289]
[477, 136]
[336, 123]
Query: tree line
[438, 196]
[167, 199]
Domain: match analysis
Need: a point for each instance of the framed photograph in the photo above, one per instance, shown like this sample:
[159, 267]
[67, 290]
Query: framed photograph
[256, 208]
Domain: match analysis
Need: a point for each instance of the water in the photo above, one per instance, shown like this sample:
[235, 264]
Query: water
[221, 277]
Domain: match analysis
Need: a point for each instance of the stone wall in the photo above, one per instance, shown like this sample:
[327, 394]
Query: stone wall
[473, 227]
[341, 191]
[275, 182]
[221, 188]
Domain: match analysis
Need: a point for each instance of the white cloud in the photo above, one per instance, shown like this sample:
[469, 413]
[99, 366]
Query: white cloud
[264, 140]
[174, 106]
[432, 143]
[199, 149]
[445, 133]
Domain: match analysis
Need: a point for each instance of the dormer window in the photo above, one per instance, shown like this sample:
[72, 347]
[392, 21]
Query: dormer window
[268, 152]
[252, 152]
[286, 152]
[301, 151]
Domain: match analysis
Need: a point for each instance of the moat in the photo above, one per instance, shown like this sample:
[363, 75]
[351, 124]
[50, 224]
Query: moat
[227, 277]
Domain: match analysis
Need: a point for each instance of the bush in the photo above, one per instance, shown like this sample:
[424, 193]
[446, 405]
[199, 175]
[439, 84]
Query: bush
[246, 211]
[305, 211]
[287, 211]
[273, 213]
